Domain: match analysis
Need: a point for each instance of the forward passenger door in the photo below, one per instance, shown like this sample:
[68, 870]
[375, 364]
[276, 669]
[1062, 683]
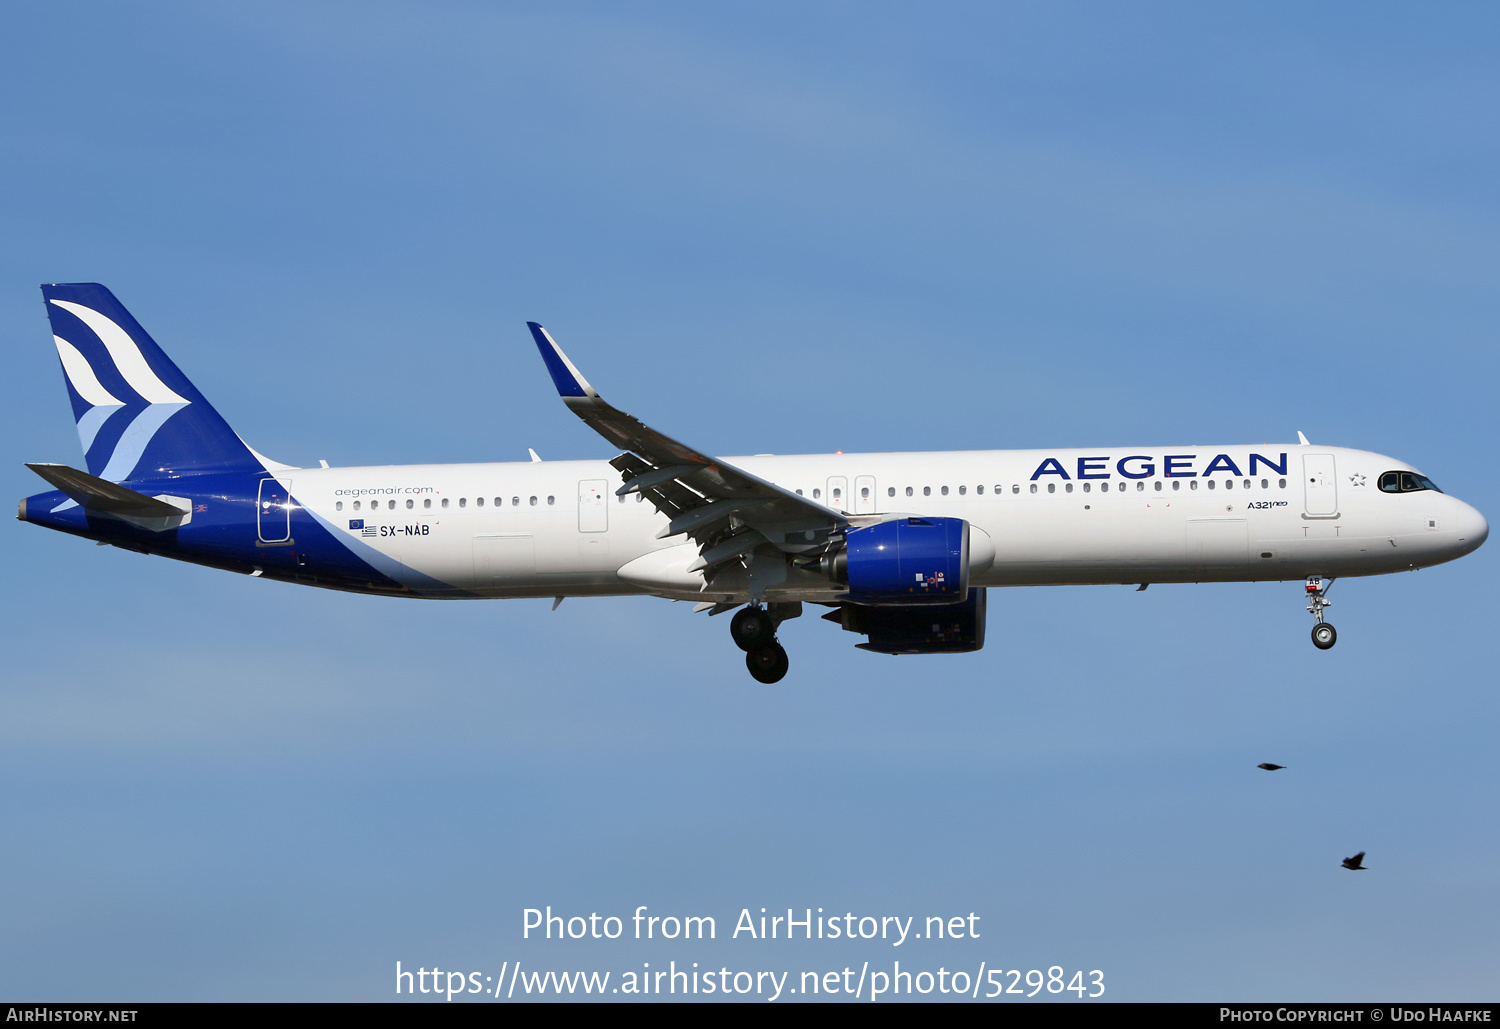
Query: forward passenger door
[1320, 486]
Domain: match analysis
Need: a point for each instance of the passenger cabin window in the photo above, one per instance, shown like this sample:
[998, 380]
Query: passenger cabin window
[962, 490]
[478, 501]
[817, 493]
[391, 505]
[445, 501]
[339, 506]
[1406, 482]
[890, 491]
[864, 493]
[410, 504]
[908, 491]
[463, 501]
[550, 500]
[838, 494]
[427, 502]
[945, 491]
[533, 502]
[1087, 486]
[1068, 488]
[515, 501]
[1016, 489]
[1051, 487]
[979, 490]
[926, 491]
[1033, 487]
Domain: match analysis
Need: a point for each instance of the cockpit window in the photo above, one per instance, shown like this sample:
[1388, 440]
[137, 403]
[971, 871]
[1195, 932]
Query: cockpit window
[1406, 482]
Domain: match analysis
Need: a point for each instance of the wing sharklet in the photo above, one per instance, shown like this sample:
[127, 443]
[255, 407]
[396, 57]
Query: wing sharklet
[565, 375]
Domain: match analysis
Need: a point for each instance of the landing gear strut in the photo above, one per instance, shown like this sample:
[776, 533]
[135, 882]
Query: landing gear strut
[754, 631]
[1323, 634]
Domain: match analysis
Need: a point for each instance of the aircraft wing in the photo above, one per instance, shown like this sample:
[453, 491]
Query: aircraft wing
[726, 509]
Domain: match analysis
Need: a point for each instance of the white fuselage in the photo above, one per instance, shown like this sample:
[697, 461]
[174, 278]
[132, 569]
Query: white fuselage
[1104, 515]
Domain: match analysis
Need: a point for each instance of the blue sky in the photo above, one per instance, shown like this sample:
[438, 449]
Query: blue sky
[770, 227]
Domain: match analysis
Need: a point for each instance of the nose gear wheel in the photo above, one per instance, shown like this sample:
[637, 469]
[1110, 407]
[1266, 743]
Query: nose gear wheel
[1323, 634]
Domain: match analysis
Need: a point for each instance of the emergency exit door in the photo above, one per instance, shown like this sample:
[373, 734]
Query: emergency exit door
[838, 494]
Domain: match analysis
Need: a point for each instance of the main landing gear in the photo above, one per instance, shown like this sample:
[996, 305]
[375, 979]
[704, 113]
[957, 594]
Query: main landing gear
[769, 663]
[1323, 634]
[754, 632]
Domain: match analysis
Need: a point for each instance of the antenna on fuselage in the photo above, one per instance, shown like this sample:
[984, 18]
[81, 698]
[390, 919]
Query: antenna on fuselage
[1302, 439]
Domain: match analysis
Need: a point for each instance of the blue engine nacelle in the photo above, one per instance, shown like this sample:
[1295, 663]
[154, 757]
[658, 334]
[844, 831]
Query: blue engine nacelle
[949, 629]
[904, 561]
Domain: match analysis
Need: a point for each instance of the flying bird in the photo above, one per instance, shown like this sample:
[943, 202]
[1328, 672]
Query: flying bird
[1353, 864]
[1270, 767]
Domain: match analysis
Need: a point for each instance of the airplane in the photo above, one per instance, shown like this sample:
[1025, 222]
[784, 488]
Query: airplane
[900, 547]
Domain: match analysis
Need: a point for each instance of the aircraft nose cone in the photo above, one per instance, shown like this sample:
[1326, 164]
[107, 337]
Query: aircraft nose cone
[1473, 530]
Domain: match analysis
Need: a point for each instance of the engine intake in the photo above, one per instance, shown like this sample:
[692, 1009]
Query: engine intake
[904, 561]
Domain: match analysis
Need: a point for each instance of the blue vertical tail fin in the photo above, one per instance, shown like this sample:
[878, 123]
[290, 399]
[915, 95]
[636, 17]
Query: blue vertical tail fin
[138, 416]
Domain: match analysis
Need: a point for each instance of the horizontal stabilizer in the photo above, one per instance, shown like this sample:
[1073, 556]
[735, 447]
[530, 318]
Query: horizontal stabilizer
[97, 494]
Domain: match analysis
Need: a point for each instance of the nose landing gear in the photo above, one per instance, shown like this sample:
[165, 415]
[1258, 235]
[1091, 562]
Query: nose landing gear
[754, 631]
[1323, 634]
